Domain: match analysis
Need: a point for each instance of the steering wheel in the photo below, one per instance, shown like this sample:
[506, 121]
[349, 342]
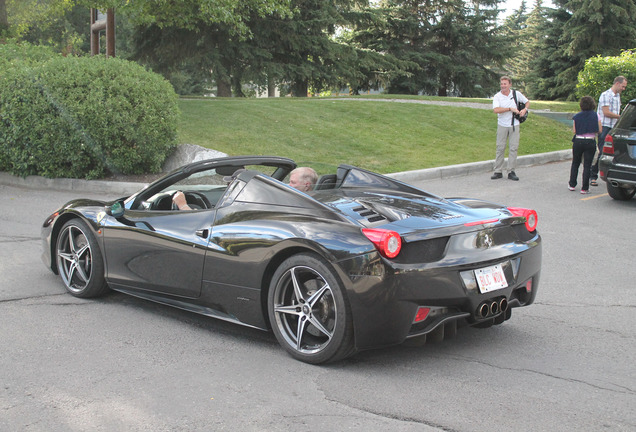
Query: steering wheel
[200, 200]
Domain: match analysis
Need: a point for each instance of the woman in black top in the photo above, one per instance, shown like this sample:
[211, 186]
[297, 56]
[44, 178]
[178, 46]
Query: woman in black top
[586, 127]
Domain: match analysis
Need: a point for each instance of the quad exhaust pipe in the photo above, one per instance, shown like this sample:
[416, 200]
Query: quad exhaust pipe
[492, 307]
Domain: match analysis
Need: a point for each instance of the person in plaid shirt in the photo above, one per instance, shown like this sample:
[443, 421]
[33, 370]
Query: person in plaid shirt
[609, 109]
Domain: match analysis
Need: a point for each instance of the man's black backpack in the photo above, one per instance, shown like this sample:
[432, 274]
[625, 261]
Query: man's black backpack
[520, 106]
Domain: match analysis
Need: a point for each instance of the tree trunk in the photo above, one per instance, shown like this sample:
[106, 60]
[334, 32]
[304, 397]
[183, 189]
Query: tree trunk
[237, 86]
[299, 88]
[223, 79]
[4, 19]
[223, 87]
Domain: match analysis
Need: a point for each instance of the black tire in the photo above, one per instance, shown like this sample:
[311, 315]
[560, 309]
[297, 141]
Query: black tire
[309, 311]
[79, 260]
[620, 193]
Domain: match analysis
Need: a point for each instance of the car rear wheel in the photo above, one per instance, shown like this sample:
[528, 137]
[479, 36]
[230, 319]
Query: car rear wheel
[309, 312]
[620, 193]
[79, 260]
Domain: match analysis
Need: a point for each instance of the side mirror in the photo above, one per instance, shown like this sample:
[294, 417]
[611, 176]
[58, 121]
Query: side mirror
[116, 210]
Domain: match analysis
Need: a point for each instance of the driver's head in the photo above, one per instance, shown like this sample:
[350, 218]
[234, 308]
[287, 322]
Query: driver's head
[303, 179]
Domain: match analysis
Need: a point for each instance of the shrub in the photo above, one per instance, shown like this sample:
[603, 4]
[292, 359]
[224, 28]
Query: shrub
[83, 117]
[26, 53]
[599, 73]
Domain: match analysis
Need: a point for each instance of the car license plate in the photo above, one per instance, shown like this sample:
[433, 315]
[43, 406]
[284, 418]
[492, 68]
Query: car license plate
[490, 278]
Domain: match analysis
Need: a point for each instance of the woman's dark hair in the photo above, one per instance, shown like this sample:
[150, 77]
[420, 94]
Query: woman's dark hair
[587, 103]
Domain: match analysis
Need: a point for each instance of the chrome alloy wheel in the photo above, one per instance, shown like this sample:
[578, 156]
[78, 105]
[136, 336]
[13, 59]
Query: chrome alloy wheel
[305, 310]
[74, 258]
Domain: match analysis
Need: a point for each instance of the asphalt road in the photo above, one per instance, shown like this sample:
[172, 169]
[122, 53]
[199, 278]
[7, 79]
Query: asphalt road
[121, 364]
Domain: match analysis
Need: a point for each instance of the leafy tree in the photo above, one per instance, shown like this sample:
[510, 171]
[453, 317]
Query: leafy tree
[191, 14]
[65, 29]
[599, 73]
[595, 27]
[581, 29]
[44, 23]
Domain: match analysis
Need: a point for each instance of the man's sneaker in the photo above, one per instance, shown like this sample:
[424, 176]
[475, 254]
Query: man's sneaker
[570, 187]
[585, 192]
[512, 176]
[496, 176]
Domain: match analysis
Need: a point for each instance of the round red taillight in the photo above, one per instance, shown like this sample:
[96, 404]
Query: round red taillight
[387, 242]
[530, 215]
[531, 220]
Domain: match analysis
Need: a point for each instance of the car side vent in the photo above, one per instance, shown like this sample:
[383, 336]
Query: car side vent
[368, 214]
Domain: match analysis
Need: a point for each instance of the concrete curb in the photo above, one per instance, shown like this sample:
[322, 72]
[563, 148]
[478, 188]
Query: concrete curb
[478, 167]
[123, 188]
[36, 182]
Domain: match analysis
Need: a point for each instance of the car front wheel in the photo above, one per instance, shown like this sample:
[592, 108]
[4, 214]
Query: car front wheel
[620, 193]
[79, 260]
[309, 312]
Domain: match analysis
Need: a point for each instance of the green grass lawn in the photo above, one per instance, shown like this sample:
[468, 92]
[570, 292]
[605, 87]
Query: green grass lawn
[381, 136]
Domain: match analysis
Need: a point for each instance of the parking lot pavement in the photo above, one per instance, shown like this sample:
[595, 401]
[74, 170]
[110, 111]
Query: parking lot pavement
[119, 363]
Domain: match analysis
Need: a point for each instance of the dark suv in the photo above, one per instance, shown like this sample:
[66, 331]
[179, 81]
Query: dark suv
[617, 165]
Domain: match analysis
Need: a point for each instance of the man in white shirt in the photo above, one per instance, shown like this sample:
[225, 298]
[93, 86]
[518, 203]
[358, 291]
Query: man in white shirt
[609, 109]
[504, 106]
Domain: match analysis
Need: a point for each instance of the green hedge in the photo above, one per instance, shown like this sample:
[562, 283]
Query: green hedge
[82, 117]
[599, 73]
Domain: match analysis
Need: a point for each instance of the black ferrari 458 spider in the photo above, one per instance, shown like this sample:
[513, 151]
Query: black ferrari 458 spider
[362, 261]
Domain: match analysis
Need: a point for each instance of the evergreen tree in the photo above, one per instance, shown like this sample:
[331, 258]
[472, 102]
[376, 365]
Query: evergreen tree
[465, 41]
[298, 51]
[581, 29]
[189, 59]
[512, 29]
[302, 49]
[453, 46]
[528, 47]
[599, 27]
[373, 66]
[552, 59]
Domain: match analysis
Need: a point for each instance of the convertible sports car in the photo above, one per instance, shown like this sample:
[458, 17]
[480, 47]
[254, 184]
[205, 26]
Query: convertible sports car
[362, 261]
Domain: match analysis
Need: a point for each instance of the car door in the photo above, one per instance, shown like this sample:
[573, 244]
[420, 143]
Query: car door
[157, 251]
[155, 247]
